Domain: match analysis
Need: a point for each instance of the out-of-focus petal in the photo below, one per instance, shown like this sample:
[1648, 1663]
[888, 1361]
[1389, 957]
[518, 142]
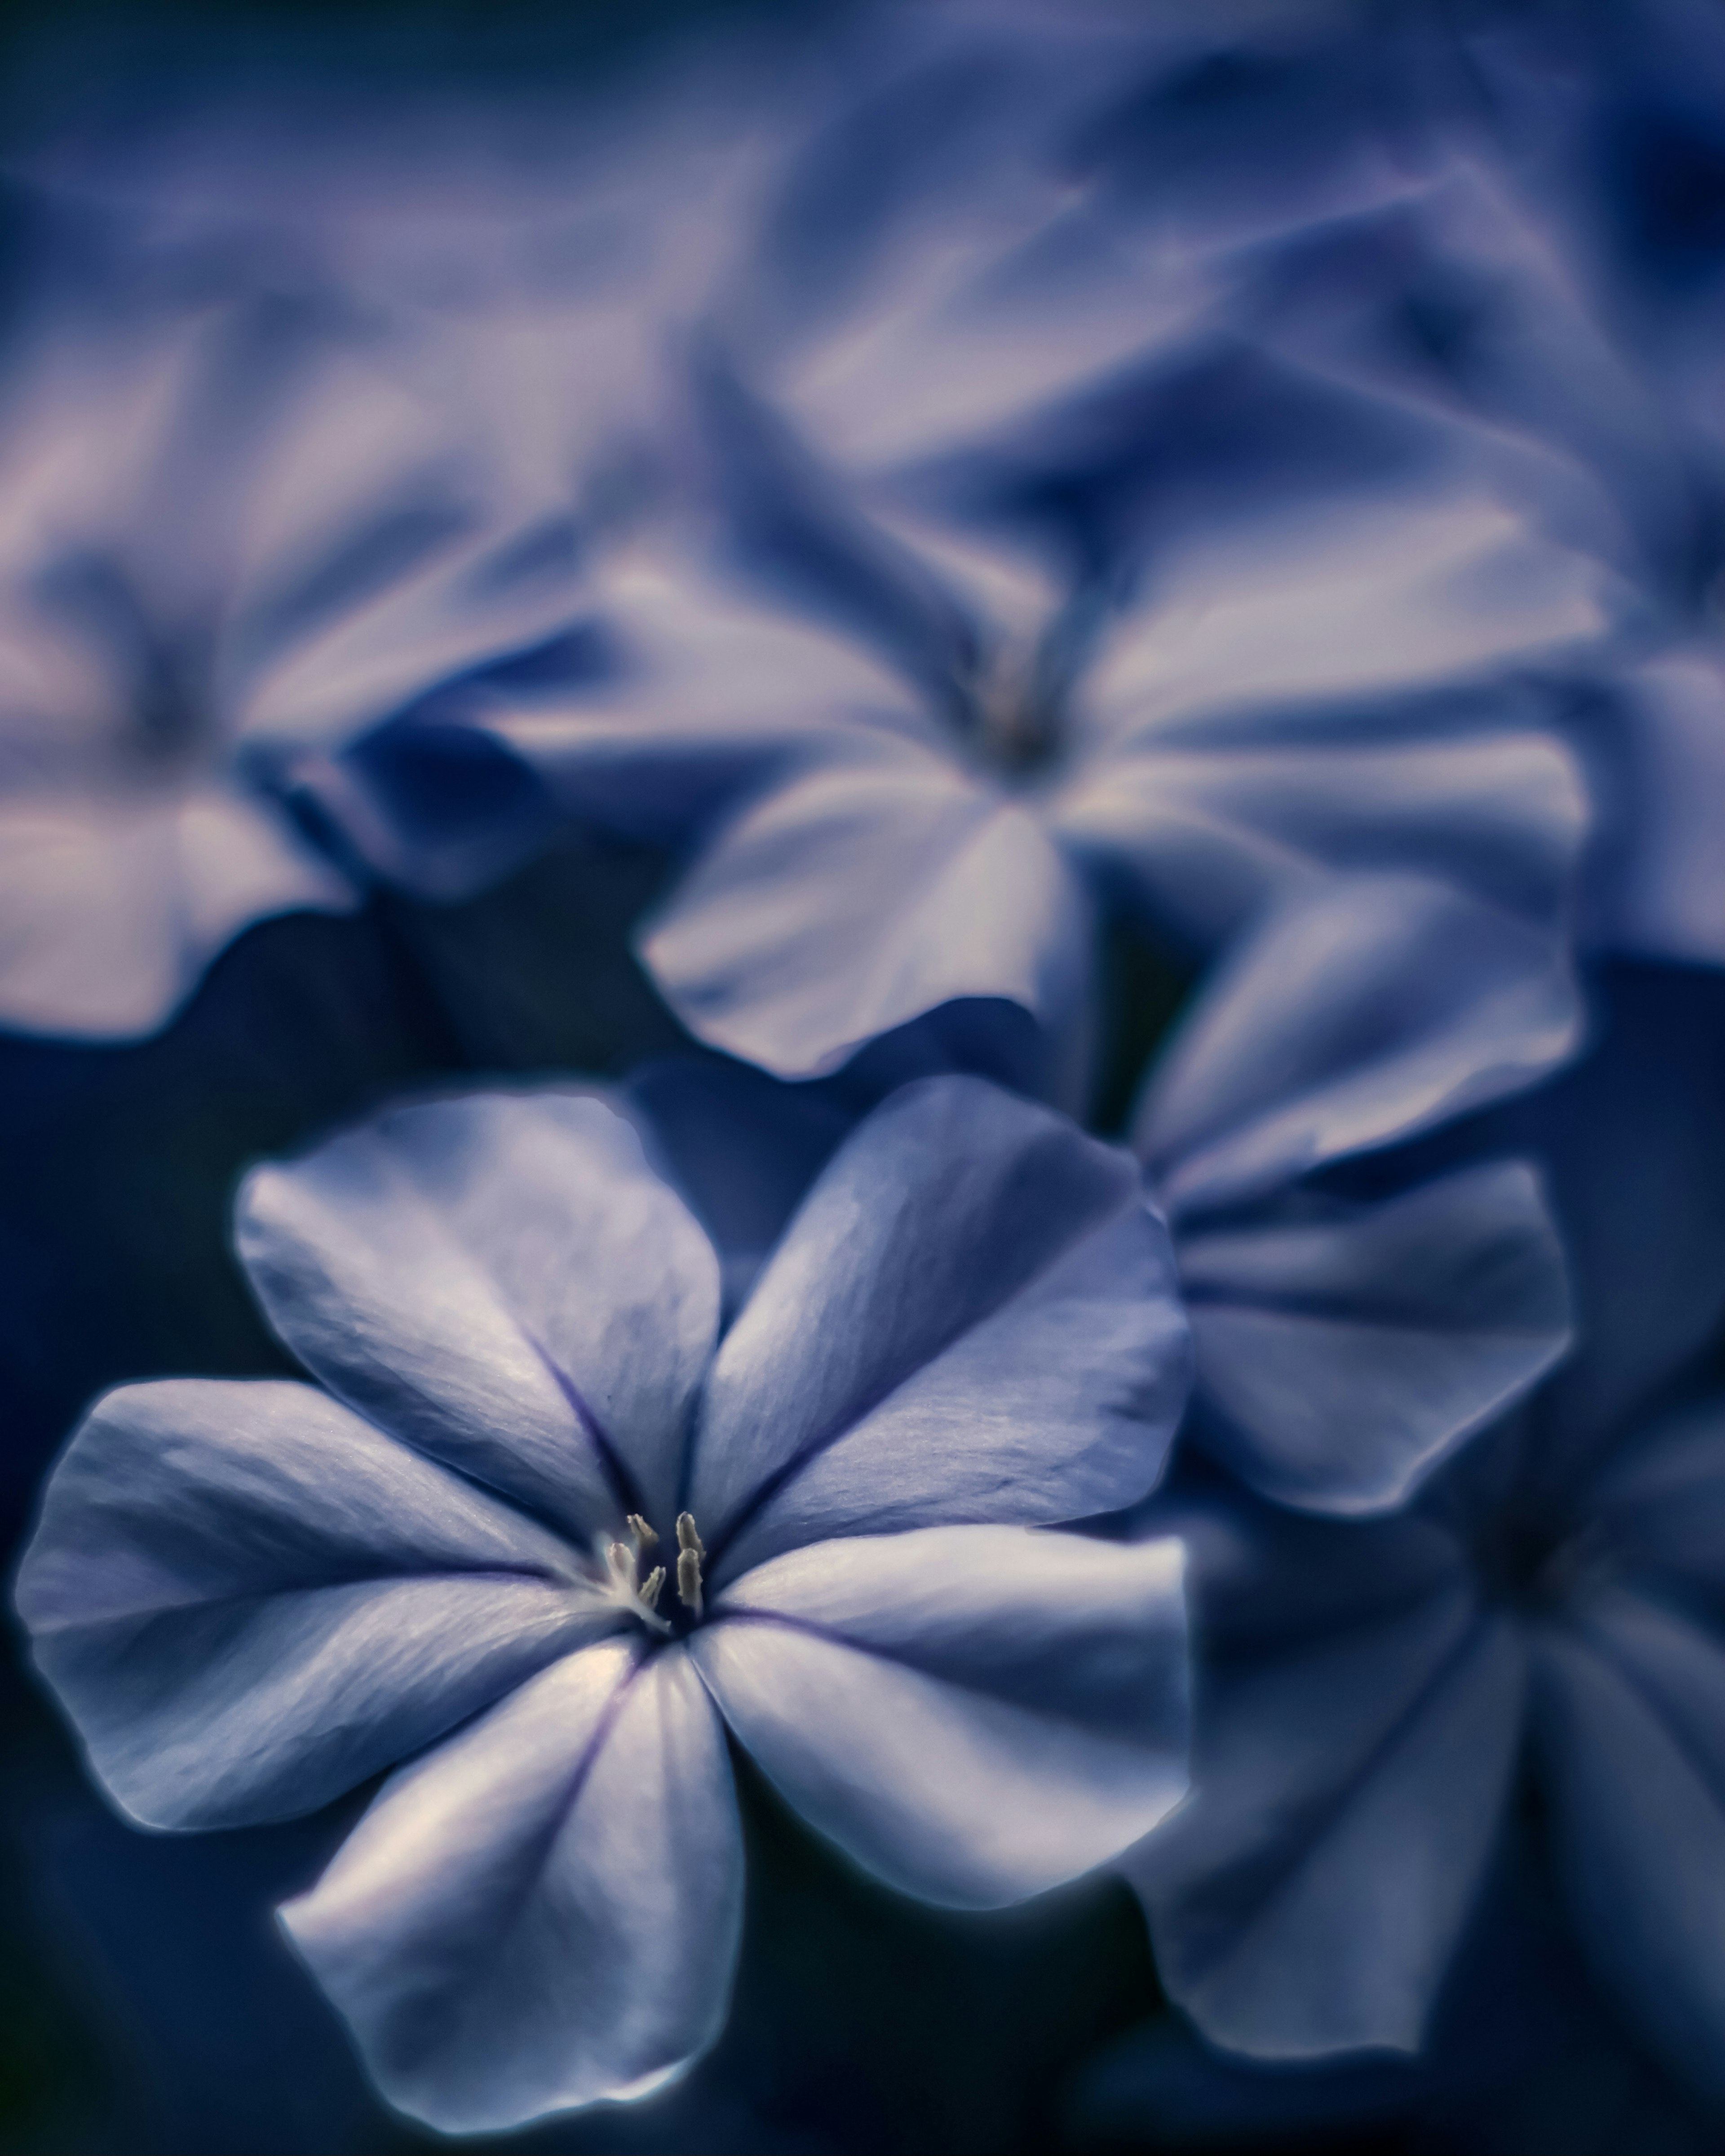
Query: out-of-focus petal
[1318, 1914]
[1361, 1013]
[973, 1318]
[714, 684]
[859, 897]
[1209, 833]
[544, 1912]
[1336, 610]
[1627, 1716]
[1349, 1354]
[503, 1282]
[972, 1714]
[742, 1147]
[249, 1599]
[1666, 899]
[1635, 1151]
[110, 907]
[1661, 1502]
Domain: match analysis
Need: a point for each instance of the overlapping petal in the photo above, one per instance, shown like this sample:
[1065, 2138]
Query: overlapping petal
[251, 1599]
[911, 1353]
[1350, 1350]
[915, 887]
[1341, 690]
[504, 1283]
[1349, 1775]
[1627, 1719]
[111, 908]
[1358, 1014]
[545, 1911]
[1014, 1703]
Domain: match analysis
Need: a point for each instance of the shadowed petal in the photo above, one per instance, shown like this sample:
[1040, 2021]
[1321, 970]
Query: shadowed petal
[1628, 1721]
[742, 1147]
[1355, 1727]
[1329, 1925]
[503, 1282]
[715, 686]
[971, 1713]
[545, 1911]
[1209, 833]
[1359, 1014]
[1661, 1501]
[856, 898]
[972, 1317]
[1667, 900]
[1350, 1354]
[249, 1599]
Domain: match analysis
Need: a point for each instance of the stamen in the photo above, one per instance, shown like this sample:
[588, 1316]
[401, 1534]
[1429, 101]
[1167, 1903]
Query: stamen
[621, 1559]
[690, 1550]
[651, 1585]
[646, 1537]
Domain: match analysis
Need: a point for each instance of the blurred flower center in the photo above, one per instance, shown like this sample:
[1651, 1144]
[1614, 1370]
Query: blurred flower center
[1014, 701]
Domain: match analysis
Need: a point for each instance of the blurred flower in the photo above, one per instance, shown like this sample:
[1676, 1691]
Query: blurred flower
[945, 756]
[544, 1508]
[233, 546]
[1468, 293]
[1368, 1691]
[1346, 1347]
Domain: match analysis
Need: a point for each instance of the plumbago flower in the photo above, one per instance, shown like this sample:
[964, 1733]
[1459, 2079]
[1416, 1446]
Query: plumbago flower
[1347, 1347]
[1461, 294]
[1551, 1605]
[913, 766]
[239, 548]
[548, 1535]
[1347, 1344]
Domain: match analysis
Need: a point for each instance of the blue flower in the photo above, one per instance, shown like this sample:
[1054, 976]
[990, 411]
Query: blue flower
[941, 758]
[546, 1536]
[242, 551]
[1469, 295]
[1368, 1693]
[1347, 1347]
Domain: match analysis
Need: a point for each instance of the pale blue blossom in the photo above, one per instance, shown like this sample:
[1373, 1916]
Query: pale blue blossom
[548, 1534]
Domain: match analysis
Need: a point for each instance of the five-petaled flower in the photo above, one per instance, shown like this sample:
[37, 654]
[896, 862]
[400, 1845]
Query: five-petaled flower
[548, 1535]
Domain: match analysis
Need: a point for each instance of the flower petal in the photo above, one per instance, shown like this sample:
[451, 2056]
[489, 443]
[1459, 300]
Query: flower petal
[1353, 1743]
[545, 1911]
[112, 908]
[1360, 1013]
[860, 896]
[1667, 897]
[1628, 1723]
[1209, 833]
[973, 1318]
[1351, 1353]
[715, 685]
[1662, 1502]
[503, 1282]
[249, 1599]
[973, 1714]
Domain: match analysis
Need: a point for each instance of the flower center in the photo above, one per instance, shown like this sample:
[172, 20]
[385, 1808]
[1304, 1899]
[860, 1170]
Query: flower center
[641, 1596]
[1014, 702]
[1531, 1562]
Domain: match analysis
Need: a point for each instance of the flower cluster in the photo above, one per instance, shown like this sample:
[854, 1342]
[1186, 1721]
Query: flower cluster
[1143, 588]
